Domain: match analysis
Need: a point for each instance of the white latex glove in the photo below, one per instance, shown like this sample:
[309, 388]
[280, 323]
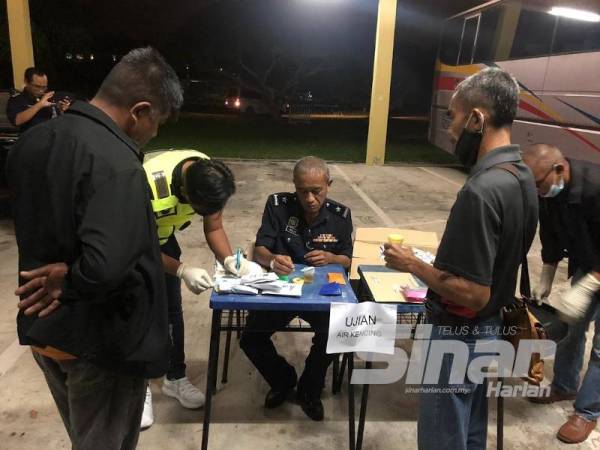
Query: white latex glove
[246, 267]
[574, 303]
[197, 280]
[230, 264]
[252, 268]
[544, 287]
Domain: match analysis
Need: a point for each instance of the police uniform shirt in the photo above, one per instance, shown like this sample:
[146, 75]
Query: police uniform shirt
[284, 230]
[483, 239]
[570, 222]
[23, 101]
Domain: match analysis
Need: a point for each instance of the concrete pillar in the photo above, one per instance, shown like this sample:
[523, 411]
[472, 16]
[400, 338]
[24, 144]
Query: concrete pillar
[21, 46]
[382, 77]
[506, 29]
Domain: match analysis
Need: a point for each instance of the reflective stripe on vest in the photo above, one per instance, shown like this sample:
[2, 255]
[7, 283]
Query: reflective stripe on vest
[171, 215]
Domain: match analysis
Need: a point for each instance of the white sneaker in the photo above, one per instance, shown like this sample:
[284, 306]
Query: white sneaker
[188, 395]
[148, 414]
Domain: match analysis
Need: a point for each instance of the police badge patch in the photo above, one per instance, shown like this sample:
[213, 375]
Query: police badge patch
[292, 225]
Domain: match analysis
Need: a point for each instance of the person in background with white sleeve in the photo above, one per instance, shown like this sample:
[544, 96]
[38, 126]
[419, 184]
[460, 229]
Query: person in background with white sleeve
[570, 227]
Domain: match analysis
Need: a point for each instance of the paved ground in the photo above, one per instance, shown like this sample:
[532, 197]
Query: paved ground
[408, 197]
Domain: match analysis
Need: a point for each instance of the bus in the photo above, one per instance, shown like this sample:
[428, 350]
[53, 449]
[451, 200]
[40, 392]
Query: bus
[554, 53]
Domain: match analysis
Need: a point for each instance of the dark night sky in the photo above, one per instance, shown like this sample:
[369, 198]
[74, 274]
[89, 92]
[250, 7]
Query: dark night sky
[207, 34]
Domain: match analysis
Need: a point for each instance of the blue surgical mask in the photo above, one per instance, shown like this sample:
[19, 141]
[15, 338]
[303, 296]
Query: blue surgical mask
[555, 189]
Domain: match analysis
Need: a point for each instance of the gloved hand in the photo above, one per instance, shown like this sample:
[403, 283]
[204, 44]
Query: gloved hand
[197, 280]
[573, 304]
[251, 268]
[544, 287]
[230, 264]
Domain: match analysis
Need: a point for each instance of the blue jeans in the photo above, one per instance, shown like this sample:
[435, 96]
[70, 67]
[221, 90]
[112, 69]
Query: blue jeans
[456, 420]
[569, 361]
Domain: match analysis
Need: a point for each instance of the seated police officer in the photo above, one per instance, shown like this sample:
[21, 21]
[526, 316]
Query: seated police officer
[308, 228]
[185, 183]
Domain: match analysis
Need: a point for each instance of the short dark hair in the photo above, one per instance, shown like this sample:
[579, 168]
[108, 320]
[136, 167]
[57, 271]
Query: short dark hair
[31, 71]
[209, 183]
[143, 75]
[494, 90]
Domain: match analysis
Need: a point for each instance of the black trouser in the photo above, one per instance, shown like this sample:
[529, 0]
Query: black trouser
[256, 343]
[101, 409]
[176, 327]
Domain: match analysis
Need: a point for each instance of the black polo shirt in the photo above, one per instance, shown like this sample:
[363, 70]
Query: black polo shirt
[483, 239]
[81, 196]
[570, 222]
[23, 101]
[284, 230]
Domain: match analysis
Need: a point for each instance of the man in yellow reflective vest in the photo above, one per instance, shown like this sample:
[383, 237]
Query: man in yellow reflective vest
[185, 183]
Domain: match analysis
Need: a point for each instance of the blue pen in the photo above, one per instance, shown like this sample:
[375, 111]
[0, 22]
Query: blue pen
[238, 258]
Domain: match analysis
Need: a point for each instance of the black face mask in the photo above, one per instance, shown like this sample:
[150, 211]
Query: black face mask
[467, 146]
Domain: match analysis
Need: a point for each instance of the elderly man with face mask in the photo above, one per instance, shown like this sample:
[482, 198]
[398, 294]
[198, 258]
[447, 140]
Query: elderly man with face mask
[570, 227]
[303, 227]
[490, 229]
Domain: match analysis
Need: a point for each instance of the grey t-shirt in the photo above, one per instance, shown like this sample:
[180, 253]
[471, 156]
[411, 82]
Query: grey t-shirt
[483, 239]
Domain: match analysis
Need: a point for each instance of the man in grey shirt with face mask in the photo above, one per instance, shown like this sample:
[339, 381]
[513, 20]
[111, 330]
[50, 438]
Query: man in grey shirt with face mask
[491, 225]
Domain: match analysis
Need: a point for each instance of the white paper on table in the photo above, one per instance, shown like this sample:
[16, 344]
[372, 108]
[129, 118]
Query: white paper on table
[242, 289]
[287, 290]
[259, 278]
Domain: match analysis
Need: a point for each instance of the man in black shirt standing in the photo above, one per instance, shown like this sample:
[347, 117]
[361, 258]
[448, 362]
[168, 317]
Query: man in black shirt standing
[35, 104]
[491, 225]
[97, 320]
[570, 227]
[304, 227]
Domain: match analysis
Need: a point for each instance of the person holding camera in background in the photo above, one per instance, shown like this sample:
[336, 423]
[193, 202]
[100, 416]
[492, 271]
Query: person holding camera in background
[35, 104]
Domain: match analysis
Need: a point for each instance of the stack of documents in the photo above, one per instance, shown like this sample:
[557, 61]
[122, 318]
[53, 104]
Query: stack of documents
[266, 283]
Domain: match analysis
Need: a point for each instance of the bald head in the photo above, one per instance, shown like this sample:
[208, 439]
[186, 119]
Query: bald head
[541, 157]
[312, 180]
[311, 165]
[548, 165]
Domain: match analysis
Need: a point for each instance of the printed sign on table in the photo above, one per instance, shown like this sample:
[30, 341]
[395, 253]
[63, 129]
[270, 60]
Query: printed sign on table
[362, 327]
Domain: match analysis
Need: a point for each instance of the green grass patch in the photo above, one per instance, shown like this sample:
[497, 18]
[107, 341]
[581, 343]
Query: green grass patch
[263, 138]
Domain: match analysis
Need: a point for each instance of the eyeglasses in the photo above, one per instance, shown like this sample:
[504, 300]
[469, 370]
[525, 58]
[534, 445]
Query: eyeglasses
[552, 169]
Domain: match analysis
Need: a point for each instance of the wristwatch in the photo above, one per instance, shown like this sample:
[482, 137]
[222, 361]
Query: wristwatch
[272, 263]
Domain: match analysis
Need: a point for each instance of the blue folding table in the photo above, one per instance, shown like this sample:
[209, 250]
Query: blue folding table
[309, 301]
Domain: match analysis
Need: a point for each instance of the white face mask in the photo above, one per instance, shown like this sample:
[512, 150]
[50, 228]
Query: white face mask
[555, 189]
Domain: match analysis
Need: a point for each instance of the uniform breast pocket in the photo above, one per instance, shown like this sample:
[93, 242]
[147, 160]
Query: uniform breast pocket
[294, 244]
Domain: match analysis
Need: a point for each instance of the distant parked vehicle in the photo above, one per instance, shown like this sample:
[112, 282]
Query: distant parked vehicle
[246, 101]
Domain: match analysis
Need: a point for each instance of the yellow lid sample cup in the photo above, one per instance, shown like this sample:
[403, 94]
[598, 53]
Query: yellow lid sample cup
[395, 239]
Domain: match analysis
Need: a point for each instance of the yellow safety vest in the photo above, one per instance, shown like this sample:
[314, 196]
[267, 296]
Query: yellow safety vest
[171, 215]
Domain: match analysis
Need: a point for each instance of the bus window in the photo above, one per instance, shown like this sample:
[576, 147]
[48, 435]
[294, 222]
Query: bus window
[576, 36]
[468, 40]
[485, 49]
[534, 34]
[451, 41]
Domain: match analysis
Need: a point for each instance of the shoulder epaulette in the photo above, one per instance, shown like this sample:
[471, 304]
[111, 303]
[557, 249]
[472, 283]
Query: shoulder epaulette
[337, 208]
[282, 198]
